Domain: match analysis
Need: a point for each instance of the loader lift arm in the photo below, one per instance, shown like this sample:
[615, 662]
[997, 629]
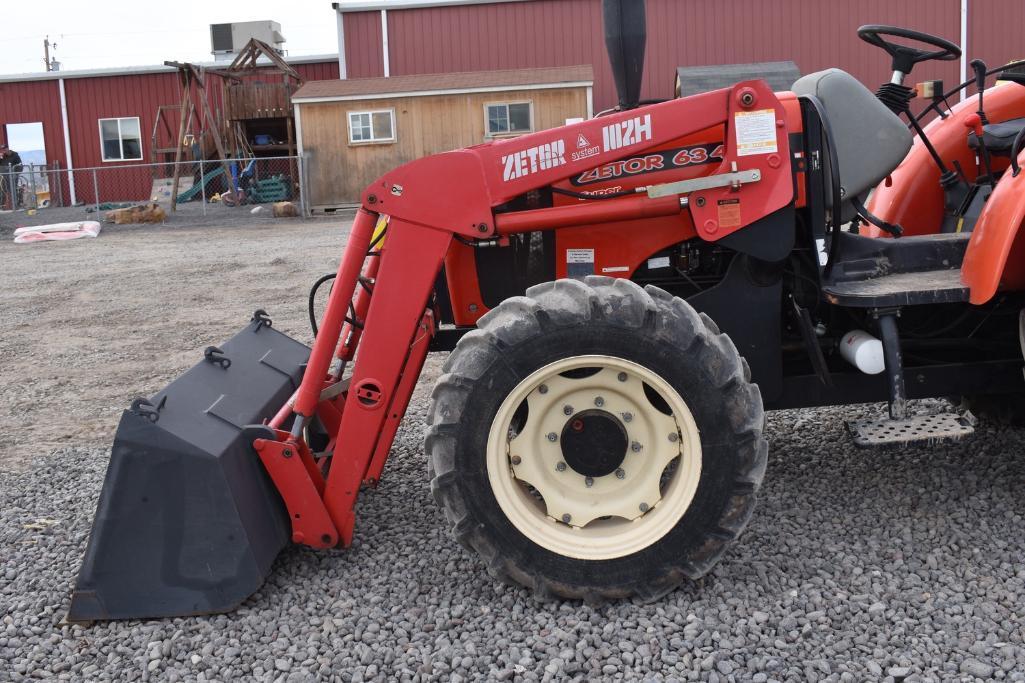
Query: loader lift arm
[429, 202]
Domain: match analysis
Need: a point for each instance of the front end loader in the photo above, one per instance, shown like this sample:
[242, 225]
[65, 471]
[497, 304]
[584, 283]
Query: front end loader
[622, 298]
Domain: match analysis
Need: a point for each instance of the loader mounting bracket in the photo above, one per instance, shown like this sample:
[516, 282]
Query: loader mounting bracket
[291, 466]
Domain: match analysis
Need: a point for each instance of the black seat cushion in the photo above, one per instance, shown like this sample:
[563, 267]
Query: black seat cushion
[998, 136]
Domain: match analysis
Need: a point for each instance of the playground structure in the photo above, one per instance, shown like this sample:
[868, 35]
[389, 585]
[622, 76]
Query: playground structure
[248, 116]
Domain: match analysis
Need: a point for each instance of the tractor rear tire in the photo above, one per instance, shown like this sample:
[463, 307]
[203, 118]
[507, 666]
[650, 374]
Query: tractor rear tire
[614, 345]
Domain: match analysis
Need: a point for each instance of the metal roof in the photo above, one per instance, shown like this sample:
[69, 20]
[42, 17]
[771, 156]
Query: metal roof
[147, 69]
[691, 80]
[445, 83]
[371, 5]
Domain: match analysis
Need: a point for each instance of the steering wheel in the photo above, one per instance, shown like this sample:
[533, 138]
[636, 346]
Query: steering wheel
[905, 57]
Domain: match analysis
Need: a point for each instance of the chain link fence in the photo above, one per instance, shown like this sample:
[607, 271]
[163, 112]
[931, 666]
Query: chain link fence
[207, 189]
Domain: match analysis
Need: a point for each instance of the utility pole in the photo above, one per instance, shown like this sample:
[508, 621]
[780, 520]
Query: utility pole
[50, 65]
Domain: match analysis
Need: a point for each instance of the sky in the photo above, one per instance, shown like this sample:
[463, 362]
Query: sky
[115, 33]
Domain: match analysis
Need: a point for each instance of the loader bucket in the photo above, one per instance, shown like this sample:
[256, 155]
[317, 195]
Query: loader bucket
[188, 521]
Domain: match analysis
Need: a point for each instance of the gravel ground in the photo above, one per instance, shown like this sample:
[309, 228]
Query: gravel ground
[90, 324]
[899, 565]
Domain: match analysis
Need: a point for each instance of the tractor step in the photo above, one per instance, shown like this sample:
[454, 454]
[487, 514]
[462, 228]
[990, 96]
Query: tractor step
[901, 289]
[912, 430]
[887, 273]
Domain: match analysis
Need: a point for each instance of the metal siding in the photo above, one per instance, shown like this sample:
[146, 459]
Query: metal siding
[318, 71]
[497, 36]
[814, 34]
[994, 31]
[32, 101]
[92, 99]
[363, 57]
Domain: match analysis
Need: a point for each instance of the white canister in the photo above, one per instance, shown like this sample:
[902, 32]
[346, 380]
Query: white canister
[863, 351]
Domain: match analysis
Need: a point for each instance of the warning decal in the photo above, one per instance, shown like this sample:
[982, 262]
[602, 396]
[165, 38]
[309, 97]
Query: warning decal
[729, 213]
[756, 132]
[579, 262]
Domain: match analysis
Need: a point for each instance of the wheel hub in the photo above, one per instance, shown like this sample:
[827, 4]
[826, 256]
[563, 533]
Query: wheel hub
[594, 457]
[600, 462]
[594, 443]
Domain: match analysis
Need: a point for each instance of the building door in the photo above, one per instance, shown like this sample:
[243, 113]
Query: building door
[23, 180]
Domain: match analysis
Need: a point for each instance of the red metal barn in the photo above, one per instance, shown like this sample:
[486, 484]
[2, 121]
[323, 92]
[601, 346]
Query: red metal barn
[73, 107]
[413, 37]
[403, 37]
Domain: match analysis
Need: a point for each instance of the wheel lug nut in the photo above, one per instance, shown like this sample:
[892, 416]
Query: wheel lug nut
[621, 377]
[635, 447]
[589, 482]
[566, 518]
[567, 410]
[552, 436]
[674, 437]
[543, 389]
[599, 401]
[620, 473]
[561, 467]
[643, 507]
[516, 460]
[627, 417]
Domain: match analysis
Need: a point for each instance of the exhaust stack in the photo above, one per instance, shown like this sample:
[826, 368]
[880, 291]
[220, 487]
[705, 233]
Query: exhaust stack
[625, 36]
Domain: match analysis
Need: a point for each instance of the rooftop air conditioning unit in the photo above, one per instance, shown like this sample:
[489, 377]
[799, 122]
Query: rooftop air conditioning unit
[227, 39]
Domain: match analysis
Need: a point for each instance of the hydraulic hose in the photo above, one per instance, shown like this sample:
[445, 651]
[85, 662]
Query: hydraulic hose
[313, 299]
[331, 276]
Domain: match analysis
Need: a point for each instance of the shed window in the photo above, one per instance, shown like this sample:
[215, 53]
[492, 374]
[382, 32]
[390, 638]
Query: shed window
[507, 118]
[372, 126]
[121, 139]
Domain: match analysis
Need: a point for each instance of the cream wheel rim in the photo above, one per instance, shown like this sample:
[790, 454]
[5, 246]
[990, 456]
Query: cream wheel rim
[564, 496]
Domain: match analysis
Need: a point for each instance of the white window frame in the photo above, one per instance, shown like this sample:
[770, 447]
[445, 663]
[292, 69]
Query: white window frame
[487, 119]
[120, 139]
[370, 112]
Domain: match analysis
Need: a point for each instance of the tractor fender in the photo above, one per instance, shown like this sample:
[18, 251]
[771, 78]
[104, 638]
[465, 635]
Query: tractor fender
[912, 195]
[996, 251]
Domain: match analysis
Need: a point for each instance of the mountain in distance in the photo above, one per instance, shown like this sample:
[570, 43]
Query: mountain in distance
[32, 156]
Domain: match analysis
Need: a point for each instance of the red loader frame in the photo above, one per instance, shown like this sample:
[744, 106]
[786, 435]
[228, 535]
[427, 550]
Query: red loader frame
[428, 203]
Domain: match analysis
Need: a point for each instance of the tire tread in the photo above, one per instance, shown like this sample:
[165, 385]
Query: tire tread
[619, 302]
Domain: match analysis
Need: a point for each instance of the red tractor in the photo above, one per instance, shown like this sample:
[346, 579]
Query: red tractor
[623, 298]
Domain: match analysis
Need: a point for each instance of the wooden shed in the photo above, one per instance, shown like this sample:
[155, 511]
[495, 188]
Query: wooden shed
[352, 131]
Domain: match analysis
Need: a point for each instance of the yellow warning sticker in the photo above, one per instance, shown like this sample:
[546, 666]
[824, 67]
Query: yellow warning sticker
[755, 131]
[382, 223]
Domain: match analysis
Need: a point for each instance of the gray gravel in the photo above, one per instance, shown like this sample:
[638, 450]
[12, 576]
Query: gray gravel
[857, 566]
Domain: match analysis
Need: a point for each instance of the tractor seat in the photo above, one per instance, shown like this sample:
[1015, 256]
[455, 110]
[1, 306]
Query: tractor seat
[998, 136]
[870, 139]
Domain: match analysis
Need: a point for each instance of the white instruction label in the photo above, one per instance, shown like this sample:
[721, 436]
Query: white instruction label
[659, 262]
[580, 256]
[820, 247]
[615, 269]
[579, 262]
[756, 132]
